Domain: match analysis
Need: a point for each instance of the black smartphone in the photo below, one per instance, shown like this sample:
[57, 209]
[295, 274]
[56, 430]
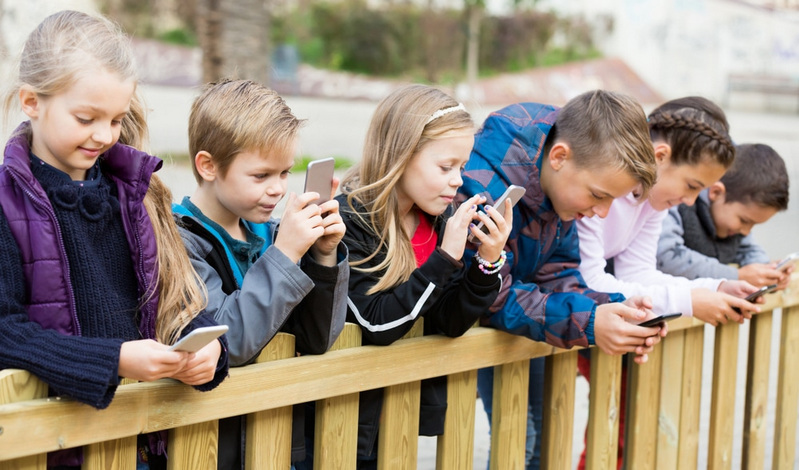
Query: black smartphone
[514, 193]
[660, 319]
[762, 291]
[319, 178]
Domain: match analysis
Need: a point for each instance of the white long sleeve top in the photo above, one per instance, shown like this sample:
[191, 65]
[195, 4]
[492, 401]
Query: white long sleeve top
[629, 235]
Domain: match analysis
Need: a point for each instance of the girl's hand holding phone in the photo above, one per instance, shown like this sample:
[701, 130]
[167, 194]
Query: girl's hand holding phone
[201, 366]
[492, 243]
[147, 360]
[457, 230]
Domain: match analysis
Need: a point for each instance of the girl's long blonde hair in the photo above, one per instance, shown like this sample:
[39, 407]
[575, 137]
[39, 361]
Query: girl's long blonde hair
[400, 128]
[55, 53]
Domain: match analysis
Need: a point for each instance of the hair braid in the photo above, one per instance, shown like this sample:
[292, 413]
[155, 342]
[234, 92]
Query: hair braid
[696, 129]
[667, 120]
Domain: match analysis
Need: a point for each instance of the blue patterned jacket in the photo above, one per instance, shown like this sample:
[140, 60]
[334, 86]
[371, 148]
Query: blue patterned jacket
[543, 296]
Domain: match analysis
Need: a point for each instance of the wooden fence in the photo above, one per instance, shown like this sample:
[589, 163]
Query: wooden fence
[663, 420]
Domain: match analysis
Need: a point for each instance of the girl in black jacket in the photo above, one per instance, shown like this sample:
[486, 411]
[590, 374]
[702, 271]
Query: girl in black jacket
[406, 241]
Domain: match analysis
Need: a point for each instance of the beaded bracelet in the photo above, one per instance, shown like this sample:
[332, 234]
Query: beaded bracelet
[487, 267]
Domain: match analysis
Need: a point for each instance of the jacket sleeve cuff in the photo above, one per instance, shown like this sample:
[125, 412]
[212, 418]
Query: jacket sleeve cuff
[317, 271]
[481, 279]
[589, 328]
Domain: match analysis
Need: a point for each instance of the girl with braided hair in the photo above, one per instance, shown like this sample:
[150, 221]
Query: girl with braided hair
[693, 149]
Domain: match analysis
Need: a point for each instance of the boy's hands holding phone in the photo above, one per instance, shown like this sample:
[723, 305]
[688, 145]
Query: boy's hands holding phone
[766, 274]
[325, 248]
[312, 220]
[300, 227]
[306, 225]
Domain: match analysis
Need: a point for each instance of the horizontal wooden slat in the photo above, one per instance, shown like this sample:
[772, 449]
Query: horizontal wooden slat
[41, 425]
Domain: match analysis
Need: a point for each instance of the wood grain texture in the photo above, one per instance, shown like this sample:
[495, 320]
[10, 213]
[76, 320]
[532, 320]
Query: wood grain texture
[558, 420]
[722, 397]
[603, 410]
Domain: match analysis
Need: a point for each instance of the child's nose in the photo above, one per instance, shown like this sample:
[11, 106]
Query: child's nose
[602, 209]
[103, 134]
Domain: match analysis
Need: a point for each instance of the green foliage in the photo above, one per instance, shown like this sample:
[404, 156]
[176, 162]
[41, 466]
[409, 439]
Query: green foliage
[429, 45]
[301, 163]
[180, 36]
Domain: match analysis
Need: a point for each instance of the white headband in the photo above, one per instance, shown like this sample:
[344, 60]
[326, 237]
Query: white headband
[445, 111]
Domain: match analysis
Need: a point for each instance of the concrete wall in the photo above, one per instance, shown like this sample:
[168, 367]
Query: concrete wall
[686, 47]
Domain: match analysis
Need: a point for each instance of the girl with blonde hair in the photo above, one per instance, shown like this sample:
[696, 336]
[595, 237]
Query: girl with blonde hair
[407, 241]
[94, 280]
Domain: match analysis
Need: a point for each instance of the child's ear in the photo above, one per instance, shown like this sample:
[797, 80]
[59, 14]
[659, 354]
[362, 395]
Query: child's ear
[205, 165]
[29, 101]
[559, 154]
[662, 152]
[716, 191]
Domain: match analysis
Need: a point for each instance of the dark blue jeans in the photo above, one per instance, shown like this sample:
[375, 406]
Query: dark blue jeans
[535, 400]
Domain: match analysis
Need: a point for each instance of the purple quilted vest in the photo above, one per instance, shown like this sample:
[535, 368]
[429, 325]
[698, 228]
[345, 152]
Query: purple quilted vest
[33, 223]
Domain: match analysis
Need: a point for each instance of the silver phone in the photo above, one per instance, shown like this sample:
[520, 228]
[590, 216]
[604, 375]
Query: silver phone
[514, 193]
[198, 338]
[319, 178]
[785, 262]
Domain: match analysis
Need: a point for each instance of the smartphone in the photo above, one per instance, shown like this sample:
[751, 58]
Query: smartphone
[319, 178]
[514, 193]
[198, 338]
[762, 291]
[785, 262]
[660, 319]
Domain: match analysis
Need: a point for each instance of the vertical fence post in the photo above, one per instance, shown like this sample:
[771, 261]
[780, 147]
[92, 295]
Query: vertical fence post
[787, 391]
[643, 398]
[19, 385]
[688, 450]
[603, 415]
[336, 430]
[268, 438]
[455, 448]
[398, 438]
[671, 386]
[119, 454]
[560, 377]
[722, 401]
[756, 400]
[509, 415]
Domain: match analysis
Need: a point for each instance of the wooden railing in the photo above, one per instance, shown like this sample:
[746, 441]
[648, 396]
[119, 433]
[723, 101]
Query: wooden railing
[663, 423]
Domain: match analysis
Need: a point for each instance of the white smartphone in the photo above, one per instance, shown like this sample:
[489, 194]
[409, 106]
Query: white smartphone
[514, 193]
[198, 338]
[319, 178]
[785, 262]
